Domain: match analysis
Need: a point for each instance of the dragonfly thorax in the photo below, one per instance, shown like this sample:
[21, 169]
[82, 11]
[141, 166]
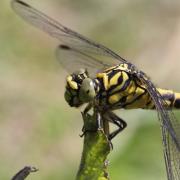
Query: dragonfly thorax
[80, 88]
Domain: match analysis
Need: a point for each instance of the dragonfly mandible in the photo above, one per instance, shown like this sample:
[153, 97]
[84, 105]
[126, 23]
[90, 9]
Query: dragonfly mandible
[109, 82]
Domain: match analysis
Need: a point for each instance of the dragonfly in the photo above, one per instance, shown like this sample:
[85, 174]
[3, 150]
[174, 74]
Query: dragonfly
[103, 79]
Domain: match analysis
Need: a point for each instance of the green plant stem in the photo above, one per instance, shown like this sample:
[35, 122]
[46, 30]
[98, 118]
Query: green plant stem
[96, 147]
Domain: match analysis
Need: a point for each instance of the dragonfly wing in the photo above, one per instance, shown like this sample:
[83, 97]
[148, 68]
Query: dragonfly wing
[72, 60]
[66, 35]
[171, 154]
[175, 156]
[170, 128]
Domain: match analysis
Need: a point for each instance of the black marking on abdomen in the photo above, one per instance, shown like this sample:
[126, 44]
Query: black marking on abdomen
[177, 103]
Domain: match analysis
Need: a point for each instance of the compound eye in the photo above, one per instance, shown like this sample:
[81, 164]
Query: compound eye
[87, 91]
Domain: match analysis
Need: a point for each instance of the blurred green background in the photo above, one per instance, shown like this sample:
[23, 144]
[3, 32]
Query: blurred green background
[38, 128]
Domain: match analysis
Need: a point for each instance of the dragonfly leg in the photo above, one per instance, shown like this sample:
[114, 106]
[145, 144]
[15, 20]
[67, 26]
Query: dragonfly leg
[83, 132]
[120, 123]
[87, 108]
[94, 127]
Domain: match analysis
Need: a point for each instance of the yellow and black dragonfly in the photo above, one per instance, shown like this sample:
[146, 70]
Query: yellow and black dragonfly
[109, 82]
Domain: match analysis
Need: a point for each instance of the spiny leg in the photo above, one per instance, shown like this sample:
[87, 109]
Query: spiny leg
[113, 118]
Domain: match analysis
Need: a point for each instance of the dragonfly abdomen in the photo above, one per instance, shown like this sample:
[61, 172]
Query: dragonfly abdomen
[172, 98]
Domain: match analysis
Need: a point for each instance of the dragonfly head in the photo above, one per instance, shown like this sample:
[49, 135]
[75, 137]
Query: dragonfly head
[79, 88]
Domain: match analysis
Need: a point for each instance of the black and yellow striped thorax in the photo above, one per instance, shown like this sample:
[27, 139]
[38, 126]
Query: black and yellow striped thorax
[117, 88]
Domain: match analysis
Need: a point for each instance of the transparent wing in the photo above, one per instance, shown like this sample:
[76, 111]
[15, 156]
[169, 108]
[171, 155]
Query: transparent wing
[170, 128]
[76, 59]
[68, 37]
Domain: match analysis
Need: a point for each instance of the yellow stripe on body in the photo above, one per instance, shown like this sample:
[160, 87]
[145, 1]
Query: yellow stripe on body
[114, 80]
[139, 102]
[176, 102]
[177, 96]
[172, 99]
[131, 88]
[119, 86]
[131, 93]
[72, 83]
[114, 93]
[146, 101]
[134, 95]
[104, 77]
[149, 103]
[165, 93]
[115, 98]
[123, 67]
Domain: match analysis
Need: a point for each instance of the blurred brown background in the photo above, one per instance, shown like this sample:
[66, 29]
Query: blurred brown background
[38, 128]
